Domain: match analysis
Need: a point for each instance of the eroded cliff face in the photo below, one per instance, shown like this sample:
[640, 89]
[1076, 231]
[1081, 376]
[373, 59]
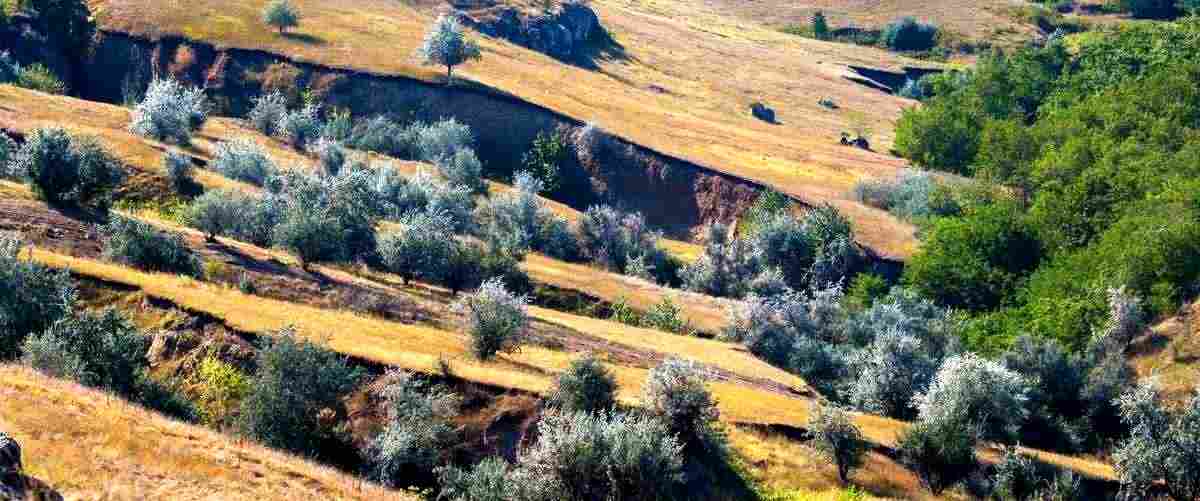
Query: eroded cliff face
[563, 32]
[673, 194]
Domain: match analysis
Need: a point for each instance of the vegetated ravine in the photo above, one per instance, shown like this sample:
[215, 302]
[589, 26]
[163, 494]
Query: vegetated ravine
[673, 194]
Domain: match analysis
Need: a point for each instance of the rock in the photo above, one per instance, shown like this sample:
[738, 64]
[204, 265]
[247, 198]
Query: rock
[562, 33]
[862, 142]
[10, 465]
[762, 112]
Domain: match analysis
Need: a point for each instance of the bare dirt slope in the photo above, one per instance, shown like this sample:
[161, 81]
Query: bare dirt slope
[680, 81]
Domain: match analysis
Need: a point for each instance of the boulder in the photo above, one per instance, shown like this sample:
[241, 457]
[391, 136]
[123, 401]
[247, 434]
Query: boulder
[561, 33]
[762, 112]
[10, 465]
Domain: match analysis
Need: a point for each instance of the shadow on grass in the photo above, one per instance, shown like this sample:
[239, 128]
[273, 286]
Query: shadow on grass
[304, 38]
[602, 47]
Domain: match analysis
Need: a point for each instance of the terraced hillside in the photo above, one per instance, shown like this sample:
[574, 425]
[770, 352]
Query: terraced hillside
[679, 79]
[84, 444]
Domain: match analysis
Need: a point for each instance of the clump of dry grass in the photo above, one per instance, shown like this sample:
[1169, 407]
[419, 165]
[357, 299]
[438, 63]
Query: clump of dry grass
[90, 445]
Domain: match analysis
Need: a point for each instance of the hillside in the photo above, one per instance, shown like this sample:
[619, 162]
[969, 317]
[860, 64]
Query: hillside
[89, 445]
[664, 86]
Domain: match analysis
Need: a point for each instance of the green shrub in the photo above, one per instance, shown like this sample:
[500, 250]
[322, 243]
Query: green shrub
[141, 245]
[943, 134]
[586, 386]
[35, 297]
[820, 26]
[668, 317]
[65, 169]
[546, 158]
[280, 14]
[222, 388]
[496, 319]
[909, 35]
[294, 382]
[102, 351]
[179, 171]
[865, 289]
[40, 78]
[940, 454]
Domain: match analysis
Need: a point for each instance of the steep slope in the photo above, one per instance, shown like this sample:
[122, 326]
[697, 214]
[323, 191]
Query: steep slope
[679, 80]
[89, 445]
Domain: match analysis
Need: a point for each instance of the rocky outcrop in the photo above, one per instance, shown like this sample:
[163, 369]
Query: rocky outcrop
[11, 481]
[562, 33]
[762, 112]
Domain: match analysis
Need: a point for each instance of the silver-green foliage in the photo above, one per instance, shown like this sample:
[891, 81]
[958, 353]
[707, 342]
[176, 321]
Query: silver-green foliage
[281, 14]
[615, 239]
[170, 111]
[100, 350]
[267, 111]
[179, 170]
[1163, 447]
[141, 245]
[495, 319]
[417, 432]
[244, 160]
[983, 393]
[675, 392]
[837, 438]
[419, 246]
[34, 297]
[726, 268]
[299, 127]
[519, 221]
[445, 44]
[67, 169]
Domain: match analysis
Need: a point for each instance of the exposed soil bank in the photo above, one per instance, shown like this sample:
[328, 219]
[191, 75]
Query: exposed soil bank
[673, 194]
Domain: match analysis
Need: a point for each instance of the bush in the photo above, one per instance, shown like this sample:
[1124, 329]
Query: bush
[941, 455]
[913, 195]
[418, 431]
[893, 369]
[299, 127]
[280, 14]
[519, 221]
[837, 438]
[1015, 477]
[726, 267]
[462, 168]
[35, 297]
[419, 246]
[1163, 448]
[546, 157]
[244, 160]
[225, 212]
[942, 134]
[266, 113]
[66, 169]
[222, 388]
[8, 150]
[439, 141]
[907, 34]
[976, 261]
[295, 381]
[601, 456]
[141, 245]
[782, 241]
[865, 289]
[381, 135]
[820, 26]
[586, 386]
[102, 351]
[496, 319]
[170, 112]
[981, 393]
[38, 77]
[330, 154]
[1056, 397]
[675, 392]
[179, 171]
[613, 239]
[10, 69]
[488, 481]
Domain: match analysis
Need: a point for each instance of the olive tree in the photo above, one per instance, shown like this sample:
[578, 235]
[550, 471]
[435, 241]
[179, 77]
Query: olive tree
[496, 319]
[170, 111]
[445, 44]
[281, 14]
[585, 386]
[837, 438]
[268, 109]
[974, 390]
[675, 392]
[67, 169]
[417, 433]
[35, 296]
[419, 246]
[1163, 447]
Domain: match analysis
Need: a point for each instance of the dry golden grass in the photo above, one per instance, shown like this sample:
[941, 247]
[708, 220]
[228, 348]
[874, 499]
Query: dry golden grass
[90, 445]
[1168, 352]
[712, 67]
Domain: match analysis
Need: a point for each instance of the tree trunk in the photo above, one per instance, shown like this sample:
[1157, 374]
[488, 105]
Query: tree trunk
[449, 75]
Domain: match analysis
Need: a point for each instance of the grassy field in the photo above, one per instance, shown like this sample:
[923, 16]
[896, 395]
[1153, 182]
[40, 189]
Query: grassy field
[90, 445]
[681, 83]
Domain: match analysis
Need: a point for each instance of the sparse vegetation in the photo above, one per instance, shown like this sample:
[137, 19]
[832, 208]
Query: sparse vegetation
[38, 77]
[281, 15]
[446, 45]
[67, 169]
[170, 112]
[495, 319]
[141, 245]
